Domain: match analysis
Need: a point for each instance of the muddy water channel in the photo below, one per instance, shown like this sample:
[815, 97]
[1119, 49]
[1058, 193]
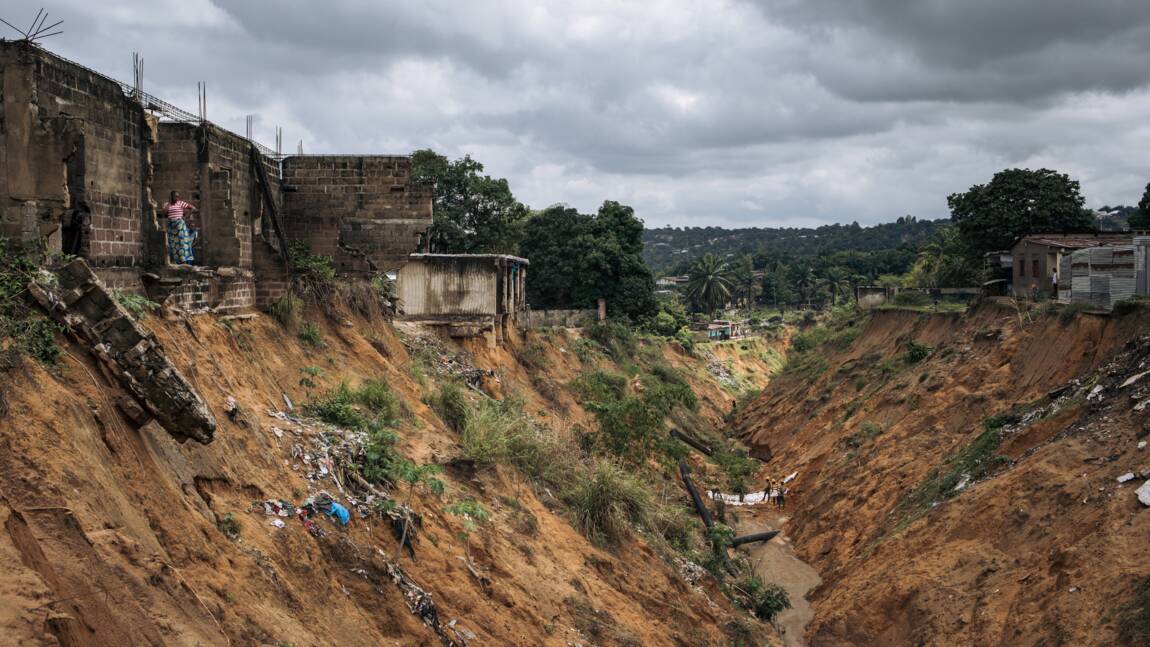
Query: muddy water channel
[775, 561]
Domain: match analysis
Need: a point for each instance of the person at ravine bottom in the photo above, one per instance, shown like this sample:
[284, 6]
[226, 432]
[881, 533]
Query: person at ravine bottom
[781, 499]
[179, 235]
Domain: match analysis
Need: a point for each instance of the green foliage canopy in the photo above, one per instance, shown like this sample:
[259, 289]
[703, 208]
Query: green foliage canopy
[578, 258]
[1016, 203]
[474, 213]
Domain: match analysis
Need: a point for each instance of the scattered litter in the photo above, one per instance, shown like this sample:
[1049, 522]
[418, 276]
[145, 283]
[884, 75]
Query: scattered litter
[1141, 444]
[231, 408]
[278, 432]
[1141, 405]
[1074, 589]
[962, 483]
[1134, 378]
[275, 507]
[287, 401]
[790, 478]
[278, 523]
[1128, 476]
[1096, 393]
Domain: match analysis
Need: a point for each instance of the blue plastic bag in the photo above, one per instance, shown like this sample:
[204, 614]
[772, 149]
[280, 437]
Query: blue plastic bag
[339, 512]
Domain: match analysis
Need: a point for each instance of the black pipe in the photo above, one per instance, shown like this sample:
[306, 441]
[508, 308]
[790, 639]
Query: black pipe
[758, 536]
[675, 433]
[700, 507]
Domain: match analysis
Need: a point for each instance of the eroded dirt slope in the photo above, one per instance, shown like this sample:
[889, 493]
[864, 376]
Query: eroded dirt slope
[1022, 534]
[111, 533]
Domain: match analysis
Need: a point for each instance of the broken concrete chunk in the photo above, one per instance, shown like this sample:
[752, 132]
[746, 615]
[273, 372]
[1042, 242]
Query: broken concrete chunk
[126, 350]
[1144, 493]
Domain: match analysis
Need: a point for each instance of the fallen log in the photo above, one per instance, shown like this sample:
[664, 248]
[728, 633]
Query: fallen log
[675, 433]
[752, 538]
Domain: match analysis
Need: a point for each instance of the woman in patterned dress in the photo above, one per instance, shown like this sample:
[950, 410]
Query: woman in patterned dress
[179, 236]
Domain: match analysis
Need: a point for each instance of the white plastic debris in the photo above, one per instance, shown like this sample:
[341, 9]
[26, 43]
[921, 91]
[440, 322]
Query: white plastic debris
[1134, 378]
[1141, 444]
[278, 523]
[278, 432]
[791, 477]
[1096, 392]
[1144, 493]
[1128, 476]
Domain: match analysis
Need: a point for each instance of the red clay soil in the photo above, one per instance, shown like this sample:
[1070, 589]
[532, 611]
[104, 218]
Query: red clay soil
[110, 533]
[1046, 551]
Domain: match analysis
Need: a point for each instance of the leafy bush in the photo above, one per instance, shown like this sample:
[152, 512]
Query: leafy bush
[310, 335]
[30, 330]
[766, 601]
[380, 457]
[337, 407]
[473, 514]
[600, 385]
[313, 274]
[683, 336]
[229, 525]
[916, 352]
[452, 406]
[137, 305]
[286, 309]
[378, 398]
[615, 336]
[605, 500]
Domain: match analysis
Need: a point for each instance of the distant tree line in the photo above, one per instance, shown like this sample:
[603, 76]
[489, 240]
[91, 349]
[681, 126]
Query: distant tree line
[577, 258]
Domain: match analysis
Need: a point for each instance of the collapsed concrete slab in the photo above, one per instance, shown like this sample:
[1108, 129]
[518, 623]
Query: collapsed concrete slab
[76, 298]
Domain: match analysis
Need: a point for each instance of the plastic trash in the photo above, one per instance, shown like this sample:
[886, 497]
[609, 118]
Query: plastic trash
[339, 512]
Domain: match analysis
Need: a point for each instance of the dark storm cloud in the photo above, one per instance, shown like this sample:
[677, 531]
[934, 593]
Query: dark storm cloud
[749, 112]
[972, 49]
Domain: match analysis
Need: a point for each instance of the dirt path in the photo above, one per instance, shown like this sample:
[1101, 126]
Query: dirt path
[775, 562]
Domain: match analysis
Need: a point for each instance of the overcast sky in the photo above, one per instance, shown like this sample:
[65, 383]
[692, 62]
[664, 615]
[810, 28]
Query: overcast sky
[733, 113]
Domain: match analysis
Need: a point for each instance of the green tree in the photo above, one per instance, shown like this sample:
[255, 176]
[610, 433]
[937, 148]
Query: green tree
[944, 262]
[1016, 203]
[709, 284]
[1141, 218]
[577, 259]
[744, 287]
[474, 213]
[837, 281]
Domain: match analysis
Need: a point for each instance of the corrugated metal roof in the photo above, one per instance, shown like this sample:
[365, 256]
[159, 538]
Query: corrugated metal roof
[1076, 243]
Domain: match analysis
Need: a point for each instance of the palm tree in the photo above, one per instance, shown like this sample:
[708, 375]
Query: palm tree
[807, 284]
[708, 285]
[837, 281]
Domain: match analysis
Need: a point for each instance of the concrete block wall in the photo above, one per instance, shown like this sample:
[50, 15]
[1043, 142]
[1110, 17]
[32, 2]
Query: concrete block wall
[363, 211]
[107, 151]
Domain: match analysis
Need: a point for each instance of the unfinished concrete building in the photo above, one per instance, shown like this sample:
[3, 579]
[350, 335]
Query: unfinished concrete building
[85, 160]
[469, 294]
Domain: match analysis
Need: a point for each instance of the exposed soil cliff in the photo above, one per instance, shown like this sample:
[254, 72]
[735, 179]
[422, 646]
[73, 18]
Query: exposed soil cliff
[117, 535]
[958, 475]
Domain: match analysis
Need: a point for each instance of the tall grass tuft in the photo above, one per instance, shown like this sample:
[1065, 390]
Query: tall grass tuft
[605, 500]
